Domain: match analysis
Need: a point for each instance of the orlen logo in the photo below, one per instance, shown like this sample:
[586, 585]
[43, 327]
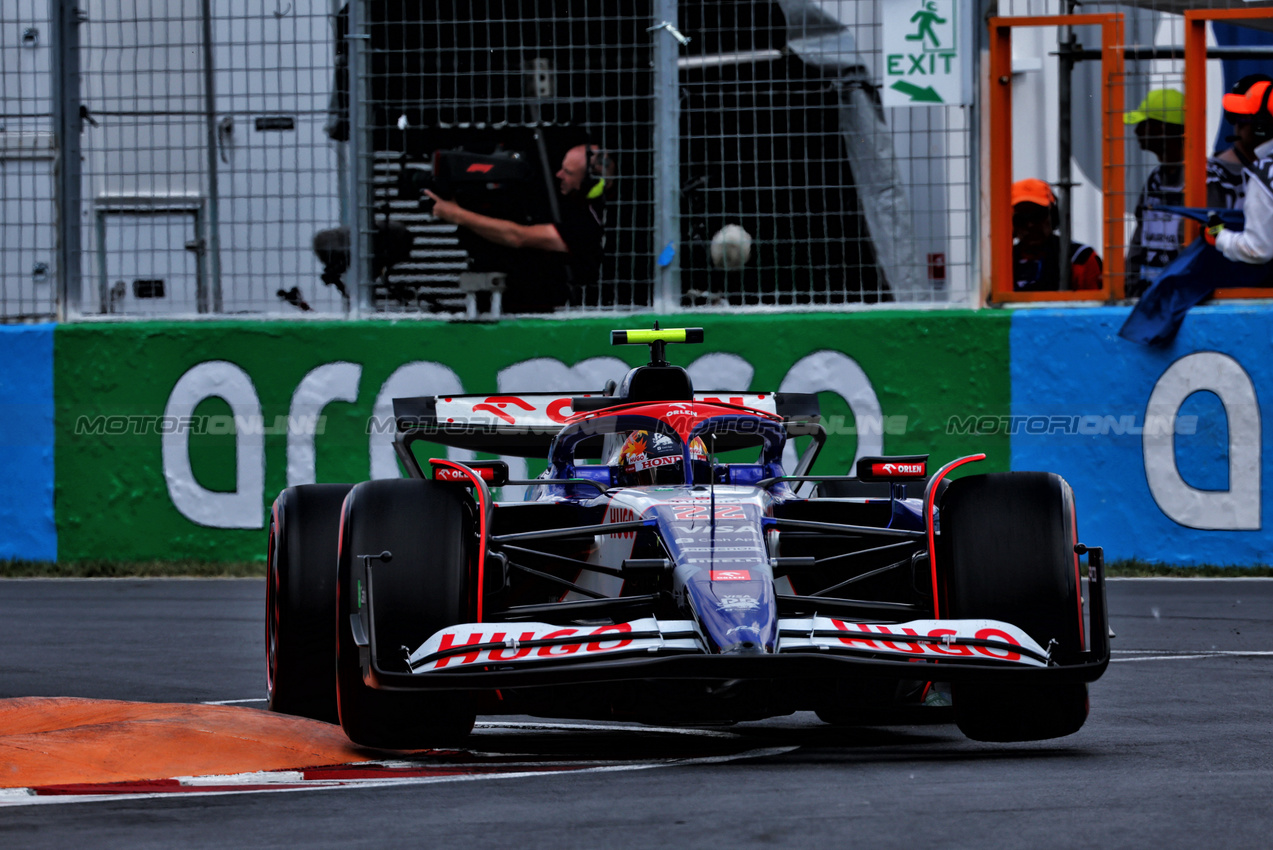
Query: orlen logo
[496, 404]
[898, 469]
[447, 473]
[731, 575]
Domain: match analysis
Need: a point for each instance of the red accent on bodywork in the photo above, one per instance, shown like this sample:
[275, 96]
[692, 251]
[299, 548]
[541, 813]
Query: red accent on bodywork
[681, 415]
[448, 642]
[560, 649]
[496, 404]
[620, 628]
[1078, 581]
[898, 470]
[928, 515]
[479, 493]
[479, 168]
[997, 634]
[555, 409]
[340, 533]
[271, 597]
[447, 474]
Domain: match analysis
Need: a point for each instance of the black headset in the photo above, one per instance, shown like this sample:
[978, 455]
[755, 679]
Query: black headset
[597, 163]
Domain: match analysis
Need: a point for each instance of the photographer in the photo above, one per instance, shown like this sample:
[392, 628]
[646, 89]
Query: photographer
[571, 249]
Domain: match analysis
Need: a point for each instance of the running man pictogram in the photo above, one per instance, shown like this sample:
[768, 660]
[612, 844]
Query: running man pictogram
[926, 16]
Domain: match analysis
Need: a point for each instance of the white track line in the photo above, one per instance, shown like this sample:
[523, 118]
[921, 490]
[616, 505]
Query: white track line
[1189, 578]
[1183, 655]
[27, 797]
[601, 727]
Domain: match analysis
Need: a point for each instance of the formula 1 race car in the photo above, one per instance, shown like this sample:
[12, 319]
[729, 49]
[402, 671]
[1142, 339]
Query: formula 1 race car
[665, 569]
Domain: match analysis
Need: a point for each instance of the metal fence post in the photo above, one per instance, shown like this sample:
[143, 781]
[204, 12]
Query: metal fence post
[66, 19]
[978, 37]
[209, 297]
[667, 159]
[359, 174]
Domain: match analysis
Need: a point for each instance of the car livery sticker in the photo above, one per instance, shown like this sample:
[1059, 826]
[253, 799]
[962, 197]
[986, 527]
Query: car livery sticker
[971, 640]
[485, 644]
[503, 643]
[549, 411]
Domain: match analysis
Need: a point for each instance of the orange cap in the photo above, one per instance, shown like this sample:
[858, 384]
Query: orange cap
[1032, 191]
[1246, 104]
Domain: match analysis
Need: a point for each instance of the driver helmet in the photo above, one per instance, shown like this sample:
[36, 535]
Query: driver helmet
[647, 458]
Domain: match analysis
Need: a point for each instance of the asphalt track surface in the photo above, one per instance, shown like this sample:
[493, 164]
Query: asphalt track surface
[1178, 751]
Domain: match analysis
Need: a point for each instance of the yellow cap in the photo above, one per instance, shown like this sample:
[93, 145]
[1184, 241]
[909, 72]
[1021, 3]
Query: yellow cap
[1165, 105]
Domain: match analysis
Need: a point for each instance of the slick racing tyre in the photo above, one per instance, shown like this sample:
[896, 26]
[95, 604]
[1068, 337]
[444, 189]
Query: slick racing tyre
[300, 600]
[429, 529]
[1008, 554]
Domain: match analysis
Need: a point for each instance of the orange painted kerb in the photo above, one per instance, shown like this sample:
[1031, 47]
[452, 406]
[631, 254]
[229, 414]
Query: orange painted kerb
[56, 741]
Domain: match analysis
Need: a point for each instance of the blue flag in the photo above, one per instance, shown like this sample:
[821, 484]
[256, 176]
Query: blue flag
[1185, 281]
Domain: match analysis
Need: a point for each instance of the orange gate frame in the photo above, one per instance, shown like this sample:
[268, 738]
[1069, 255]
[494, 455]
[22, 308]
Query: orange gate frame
[1196, 141]
[1000, 107]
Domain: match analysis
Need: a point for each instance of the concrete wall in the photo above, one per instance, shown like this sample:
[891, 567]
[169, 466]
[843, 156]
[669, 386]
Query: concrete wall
[26, 443]
[173, 438]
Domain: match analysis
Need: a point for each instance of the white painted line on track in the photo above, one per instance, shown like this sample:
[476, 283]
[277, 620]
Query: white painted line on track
[1184, 655]
[536, 726]
[1189, 578]
[29, 797]
[233, 701]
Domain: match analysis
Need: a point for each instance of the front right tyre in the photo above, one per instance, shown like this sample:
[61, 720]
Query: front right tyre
[429, 527]
[1007, 553]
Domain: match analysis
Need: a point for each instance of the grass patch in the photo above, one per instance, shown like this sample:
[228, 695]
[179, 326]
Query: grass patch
[1136, 568]
[131, 569]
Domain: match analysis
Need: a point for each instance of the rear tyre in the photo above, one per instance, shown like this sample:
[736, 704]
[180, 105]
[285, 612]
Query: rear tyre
[300, 601]
[1007, 546]
[429, 529]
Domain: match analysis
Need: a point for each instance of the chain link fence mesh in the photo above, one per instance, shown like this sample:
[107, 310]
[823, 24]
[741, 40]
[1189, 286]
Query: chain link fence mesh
[1154, 62]
[218, 157]
[28, 227]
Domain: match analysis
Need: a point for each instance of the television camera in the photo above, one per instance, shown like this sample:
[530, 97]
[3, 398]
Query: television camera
[505, 184]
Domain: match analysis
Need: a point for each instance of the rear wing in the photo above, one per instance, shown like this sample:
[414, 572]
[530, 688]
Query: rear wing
[525, 424]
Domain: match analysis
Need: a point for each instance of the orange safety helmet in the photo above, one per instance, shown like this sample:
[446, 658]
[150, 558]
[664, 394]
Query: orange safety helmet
[1249, 103]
